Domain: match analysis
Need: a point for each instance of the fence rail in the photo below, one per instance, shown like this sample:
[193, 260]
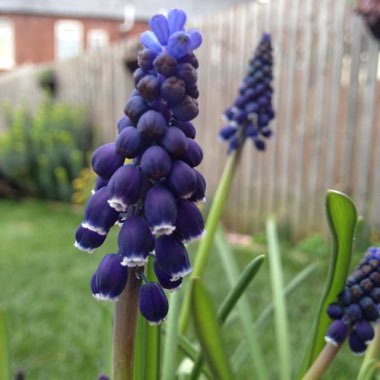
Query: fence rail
[327, 98]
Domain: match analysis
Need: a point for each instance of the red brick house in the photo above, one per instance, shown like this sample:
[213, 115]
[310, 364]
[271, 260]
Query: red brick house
[34, 31]
[46, 30]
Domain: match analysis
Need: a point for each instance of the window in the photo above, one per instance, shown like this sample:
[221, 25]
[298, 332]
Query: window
[7, 59]
[68, 39]
[97, 38]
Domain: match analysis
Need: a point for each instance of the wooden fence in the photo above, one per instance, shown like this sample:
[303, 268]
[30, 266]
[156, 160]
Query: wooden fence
[327, 98]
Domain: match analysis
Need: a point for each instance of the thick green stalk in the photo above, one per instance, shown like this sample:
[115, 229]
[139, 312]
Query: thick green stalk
[124, 332]
[211, 225]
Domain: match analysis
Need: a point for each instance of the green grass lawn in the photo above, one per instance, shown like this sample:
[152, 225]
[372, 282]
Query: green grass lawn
[55, 326]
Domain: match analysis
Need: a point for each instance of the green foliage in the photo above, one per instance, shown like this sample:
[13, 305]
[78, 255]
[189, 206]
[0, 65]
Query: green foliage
[208, 331]
[281, 316]
[5, 368]
[341, 215]
[42, 153]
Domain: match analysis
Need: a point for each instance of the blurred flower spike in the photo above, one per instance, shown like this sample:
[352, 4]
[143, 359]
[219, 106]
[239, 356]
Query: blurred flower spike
[146, 180]
[370, 10]
[249, 116]
[357, 305]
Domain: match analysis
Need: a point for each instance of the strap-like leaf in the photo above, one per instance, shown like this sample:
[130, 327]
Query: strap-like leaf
[280, 312]
[341, 216]
[230, 301]
[209, 332]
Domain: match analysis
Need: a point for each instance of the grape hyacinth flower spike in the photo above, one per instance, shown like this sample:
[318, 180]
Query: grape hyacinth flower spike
[250, 114]
[153, 196]
[357, 306]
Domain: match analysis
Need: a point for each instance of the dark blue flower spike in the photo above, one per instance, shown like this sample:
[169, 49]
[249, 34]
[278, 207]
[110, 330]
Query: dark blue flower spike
[357, 305]
[110, 279]
[250, 114]
[153, 196]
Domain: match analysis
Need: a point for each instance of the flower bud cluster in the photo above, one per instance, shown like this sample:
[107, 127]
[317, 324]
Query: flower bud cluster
[146, 179]
[252, 110]
[357, 305]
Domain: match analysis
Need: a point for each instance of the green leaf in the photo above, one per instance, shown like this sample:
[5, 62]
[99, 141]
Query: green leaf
[243, 308]
[239, 287]
[240, 354]
[230, 301]
[341, 216]
[209, 332]
[5, 365]
[281, 317]
[289, 289]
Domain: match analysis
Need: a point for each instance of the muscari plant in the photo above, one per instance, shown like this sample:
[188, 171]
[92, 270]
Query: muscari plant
[148, 185]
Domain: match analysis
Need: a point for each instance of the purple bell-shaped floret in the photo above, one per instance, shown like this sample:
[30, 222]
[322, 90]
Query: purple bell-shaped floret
[154, 305]
[193, 155]
[199, 194]
[135, 242]
[130, 143]
[160, 210]
[87, 240]
[164, 278]
[152, 124]
[124, 187]
[356, 343]
[172, 256]
[156, 162]
[182, 180]
[110, 279]
[336, 333]
[105, 160]
[174, 141]
[189, 224]
[98, 215]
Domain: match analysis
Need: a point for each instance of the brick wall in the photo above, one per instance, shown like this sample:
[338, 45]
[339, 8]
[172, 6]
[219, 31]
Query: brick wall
[35, 39]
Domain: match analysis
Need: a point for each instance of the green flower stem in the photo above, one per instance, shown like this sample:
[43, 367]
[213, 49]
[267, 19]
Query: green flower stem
[169, 360]
[125, 321]
[322, 362]
[211, 226]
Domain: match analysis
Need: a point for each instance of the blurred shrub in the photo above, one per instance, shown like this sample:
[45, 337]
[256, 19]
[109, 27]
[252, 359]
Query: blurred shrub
[42, 152]
[82, 186]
